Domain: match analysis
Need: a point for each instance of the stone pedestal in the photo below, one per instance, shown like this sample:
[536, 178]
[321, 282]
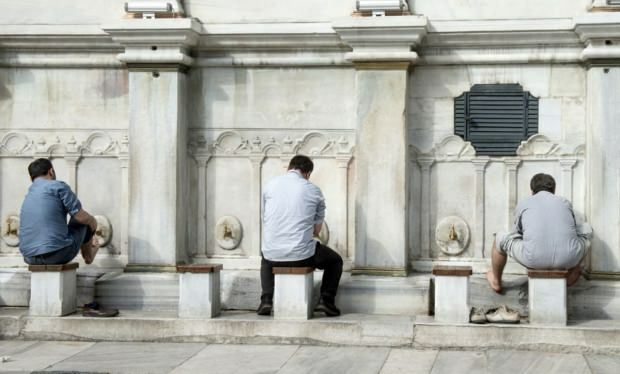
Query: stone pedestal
[452, 293]
[292, 296]
[382, 55]
[547, 297]
[199, 291]
[53, 289]
[157, 56]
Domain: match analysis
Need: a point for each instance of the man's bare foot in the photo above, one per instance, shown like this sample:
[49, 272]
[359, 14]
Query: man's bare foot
[495, 285]
[89, 250]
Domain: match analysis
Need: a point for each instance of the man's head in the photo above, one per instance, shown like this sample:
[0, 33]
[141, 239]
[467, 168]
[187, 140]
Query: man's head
[542, 182]
[303, 164]
[41, 167]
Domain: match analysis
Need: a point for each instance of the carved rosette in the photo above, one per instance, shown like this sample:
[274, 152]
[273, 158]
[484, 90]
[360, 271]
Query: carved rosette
[10, 231]
[104, 230]
[228, 232]
[452, 235]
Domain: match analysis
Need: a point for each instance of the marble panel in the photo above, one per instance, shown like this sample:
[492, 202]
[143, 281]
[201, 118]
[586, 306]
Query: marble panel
[504, 9]
[574, 120]
[292, 296]
[536, 362]
[438, 82]
[533, 78]
[14, 184]
[547, 301]
[41, 355]
[409, 361]
[452, 299]
[53, 294]
[345, 360]
[199, 295]
[272, 98]
[64, 98]
[63, 12]
[460, 362]
[130, 357]
[601, 364]
[238, 359]
[550, 118]
[568, 81]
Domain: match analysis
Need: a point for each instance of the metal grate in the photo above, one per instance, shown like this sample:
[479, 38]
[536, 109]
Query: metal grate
[495, 118]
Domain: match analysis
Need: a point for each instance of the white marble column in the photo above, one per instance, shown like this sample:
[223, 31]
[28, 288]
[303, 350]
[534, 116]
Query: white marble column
[201, 233]
[425, 213]
[343, 218]
[567, 165]
[157, 55]
[382, 53]
[257, 162]
[124, 164]
[480, 165]
[512, 166]
[72, 161]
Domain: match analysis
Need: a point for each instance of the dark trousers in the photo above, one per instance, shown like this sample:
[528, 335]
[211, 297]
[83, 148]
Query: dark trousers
[324, 258]
[79, 233]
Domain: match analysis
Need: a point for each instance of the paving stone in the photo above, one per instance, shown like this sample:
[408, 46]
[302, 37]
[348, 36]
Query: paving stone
[459, 362]
[40, 355]
[341, 360]
[238, 359]
[536, 362]
[409, 361]
[120, 357]
[11, 347]
[601, 364]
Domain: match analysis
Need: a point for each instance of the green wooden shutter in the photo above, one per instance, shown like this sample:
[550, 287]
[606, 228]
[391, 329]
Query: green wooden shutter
[495, 118]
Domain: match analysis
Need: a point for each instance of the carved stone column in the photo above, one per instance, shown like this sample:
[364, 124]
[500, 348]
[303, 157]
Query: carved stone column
[480, 165]
[425, 215]
[123, 157]
[257, 162]
[381, 55]
[343, 219]
[567, 165]
[512, 165]
[600, 32]
[157, 56]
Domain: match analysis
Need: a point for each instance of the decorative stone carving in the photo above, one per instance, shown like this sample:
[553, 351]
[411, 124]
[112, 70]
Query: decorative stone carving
[323, 237]
[537, 145]
[10, 231]
[104, 230]
[15, 144]
[314, 144]
[80, 143]
[98, 143]
[452, 235]
[454, 146]
[228, 232]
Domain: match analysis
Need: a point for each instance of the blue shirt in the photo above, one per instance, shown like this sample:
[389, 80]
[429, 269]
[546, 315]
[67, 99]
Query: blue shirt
[292, 205]
[43, 217]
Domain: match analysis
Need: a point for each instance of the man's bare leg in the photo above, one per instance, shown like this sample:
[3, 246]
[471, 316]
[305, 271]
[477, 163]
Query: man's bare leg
[89, 250]
[498, 262]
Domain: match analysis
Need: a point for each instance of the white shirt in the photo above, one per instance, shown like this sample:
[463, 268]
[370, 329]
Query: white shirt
[292, 205]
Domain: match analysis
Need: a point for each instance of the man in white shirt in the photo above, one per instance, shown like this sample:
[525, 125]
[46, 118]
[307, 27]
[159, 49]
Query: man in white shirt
[545, 235]
[293, 213]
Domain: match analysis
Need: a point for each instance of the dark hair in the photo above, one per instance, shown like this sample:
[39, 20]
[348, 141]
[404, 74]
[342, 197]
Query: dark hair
[39, 167]
[301, 163]
[542, 182]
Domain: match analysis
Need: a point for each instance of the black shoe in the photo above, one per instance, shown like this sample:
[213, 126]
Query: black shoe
[327, 307]
[93, 309]
[264, 309]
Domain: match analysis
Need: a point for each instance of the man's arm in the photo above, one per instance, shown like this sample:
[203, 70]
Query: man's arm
[319, 217]
[317, 229]
[85, 218]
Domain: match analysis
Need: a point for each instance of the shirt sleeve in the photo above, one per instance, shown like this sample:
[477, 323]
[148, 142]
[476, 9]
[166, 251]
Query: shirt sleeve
[517, 227]
[69, 199]
[319, 217]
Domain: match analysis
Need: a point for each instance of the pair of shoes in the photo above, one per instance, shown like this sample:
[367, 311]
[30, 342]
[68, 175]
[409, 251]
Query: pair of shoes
[93, 309]
[327, 307]
[264, 309]
[477, 315]
[503, 314]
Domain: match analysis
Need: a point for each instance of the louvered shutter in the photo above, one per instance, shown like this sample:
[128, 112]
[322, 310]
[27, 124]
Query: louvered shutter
[495, 118]
[613, 2]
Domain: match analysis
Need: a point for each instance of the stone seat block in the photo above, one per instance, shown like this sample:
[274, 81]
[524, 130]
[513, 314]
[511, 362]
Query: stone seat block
[199, 290]
[53, 289]
[452, 293]
[292, 298]
[547, 297]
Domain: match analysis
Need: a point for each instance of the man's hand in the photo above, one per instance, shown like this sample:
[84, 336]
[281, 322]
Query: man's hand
[85, 218]
[317, 229]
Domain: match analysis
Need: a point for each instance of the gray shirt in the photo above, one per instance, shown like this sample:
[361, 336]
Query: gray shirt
[291, 206]
[547, 224]
[43, 217]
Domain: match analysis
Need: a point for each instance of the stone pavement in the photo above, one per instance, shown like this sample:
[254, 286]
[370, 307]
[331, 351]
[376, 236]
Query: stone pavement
[122, 357]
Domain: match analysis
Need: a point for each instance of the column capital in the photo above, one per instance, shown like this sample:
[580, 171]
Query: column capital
[156, 43]
[480, 163]
[425, 162]
[568, 163]
[601, 34]
[512, 163]
[382, 42]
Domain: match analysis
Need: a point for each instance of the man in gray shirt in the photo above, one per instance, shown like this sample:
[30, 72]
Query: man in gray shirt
[45, 238]
[293, 209]
[545, 235]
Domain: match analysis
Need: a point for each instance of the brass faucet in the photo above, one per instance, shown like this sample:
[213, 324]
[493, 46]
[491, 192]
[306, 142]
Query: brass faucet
[452, 235]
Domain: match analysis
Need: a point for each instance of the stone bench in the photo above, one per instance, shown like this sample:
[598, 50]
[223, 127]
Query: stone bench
[292, 297]
[199, 290]
[53, 289]
[547, 297]
[452, 293]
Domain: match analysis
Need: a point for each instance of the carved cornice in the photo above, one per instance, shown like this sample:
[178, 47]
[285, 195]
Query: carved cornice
[75, 145]
[601, 34]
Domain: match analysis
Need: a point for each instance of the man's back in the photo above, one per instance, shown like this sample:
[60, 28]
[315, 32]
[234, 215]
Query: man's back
[291, 207]
[43, 217]
[547, 224]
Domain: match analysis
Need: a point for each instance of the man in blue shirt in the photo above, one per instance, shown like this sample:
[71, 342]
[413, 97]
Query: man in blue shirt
[45, 238]
[292, 214]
